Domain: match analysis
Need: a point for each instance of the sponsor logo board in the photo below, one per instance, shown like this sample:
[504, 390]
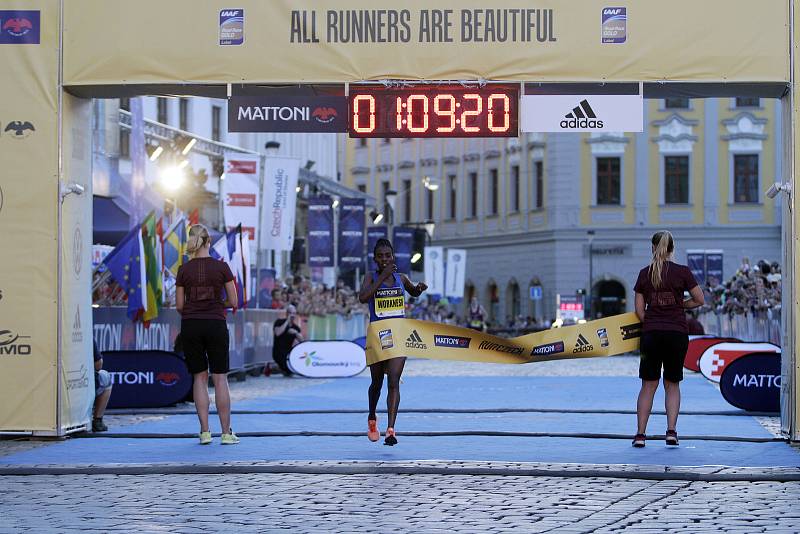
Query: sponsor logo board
[499, 347]
[13, 344]
[582, 113]
[231, 27]
[753, 382]
[414, 341]
[602, 334]
[20, 27]
[456, 342]
[582, 345]
[614, 25]
[547, 349]
[717, 357]
[287, 114]
[387, 342]
[327, 359]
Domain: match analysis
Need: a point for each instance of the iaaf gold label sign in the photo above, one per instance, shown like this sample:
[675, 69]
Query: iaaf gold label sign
[604, 337]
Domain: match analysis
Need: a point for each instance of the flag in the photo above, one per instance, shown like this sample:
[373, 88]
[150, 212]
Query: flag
[220, 250]
[154, 283]
[127, 267]
[239, 249]
[244, 243]
[175, 246]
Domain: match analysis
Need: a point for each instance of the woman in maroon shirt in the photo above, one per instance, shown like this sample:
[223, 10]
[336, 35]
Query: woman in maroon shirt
[661, 308]
[204, 332]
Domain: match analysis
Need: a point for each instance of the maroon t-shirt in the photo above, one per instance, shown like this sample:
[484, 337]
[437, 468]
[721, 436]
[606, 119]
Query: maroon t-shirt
[664, 306]
[203, 281]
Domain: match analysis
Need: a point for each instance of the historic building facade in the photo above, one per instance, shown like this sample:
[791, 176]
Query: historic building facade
[525, 207]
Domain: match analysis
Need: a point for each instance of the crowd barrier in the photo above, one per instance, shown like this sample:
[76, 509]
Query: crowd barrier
[250, 332]
[759, 326]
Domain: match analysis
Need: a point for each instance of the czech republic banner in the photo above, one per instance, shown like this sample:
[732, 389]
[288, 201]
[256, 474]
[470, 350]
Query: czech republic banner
[393, 338]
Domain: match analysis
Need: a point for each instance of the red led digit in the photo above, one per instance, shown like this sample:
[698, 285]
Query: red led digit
[357, 114]
[506, 113]
[471, 113]
[437, 108]
[398, 113]
[409, 117]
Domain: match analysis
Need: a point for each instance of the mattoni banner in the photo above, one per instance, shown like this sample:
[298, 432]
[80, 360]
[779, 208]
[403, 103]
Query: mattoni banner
[351, 233]
[403, 243]
[320, 232]
[582, 113]
[392, 338]
[240, 194]
[280, 203]
[307, 114]
[374, 233]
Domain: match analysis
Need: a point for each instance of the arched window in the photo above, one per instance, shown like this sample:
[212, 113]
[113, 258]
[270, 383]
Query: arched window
[513, 304]
[535, 298]
[493, 297]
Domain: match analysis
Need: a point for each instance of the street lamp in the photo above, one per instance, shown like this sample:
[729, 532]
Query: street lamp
[590, 292]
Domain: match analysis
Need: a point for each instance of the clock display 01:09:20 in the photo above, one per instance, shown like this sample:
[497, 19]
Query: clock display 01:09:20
[434, 111]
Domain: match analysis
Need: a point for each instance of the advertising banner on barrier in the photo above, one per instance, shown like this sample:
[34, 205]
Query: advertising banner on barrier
[373, 234]
[304, 114]
[351, 233]
[718, 356]
[327, 359]
[280, 203]
[608, 336]
[582, 113]
[403, 242]
[146, 378]
[434, 270]
[29, 228]
[456, 269]
[753, 382]
[320, 232]
[240, 200]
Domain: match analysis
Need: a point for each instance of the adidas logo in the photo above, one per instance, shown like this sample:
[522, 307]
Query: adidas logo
[414, 341]
[581, 116]
[582, 345]
[77, 333]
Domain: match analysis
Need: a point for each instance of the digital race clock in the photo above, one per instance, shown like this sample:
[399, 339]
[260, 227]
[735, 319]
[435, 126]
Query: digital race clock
[434, 111]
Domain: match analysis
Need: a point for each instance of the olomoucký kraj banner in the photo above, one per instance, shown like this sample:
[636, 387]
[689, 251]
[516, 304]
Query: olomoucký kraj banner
[393, 338]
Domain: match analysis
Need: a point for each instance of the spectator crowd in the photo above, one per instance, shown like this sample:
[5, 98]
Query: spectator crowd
[751, 289]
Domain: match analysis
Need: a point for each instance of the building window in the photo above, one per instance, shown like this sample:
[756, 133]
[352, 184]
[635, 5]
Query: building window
[216, 122]
[407, 201]
[125, 104]
[676, 179]
[473, 195]
[747, 102]
[745, 178]
[429, 204]
[515, 188]
[676, 103]
[538, 176]
[608, 181]
[124, 143]
[451, 188]
[494, 192]
[183, 114]
[362, 188]
[162, 115]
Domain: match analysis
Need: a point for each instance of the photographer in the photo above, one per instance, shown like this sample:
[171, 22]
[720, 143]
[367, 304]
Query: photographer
[287, 335]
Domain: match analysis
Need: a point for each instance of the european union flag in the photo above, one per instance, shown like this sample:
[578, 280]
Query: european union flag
[127, 267]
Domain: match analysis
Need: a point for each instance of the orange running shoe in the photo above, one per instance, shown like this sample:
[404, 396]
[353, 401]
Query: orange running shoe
[373, 433]
[390, 437]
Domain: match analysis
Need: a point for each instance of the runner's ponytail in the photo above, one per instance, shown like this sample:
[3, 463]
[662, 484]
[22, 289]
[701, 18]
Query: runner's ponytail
[198, 237]
[663, 246]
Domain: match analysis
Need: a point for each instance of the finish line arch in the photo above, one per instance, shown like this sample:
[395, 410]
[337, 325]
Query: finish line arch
[79, 49]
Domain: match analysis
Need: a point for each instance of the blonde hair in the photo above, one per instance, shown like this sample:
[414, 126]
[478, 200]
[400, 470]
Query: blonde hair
[198, 237]
[663, 246]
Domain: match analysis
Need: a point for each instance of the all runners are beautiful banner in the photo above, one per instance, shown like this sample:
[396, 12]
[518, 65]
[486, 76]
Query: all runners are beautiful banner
[354, 40]
[393, 338]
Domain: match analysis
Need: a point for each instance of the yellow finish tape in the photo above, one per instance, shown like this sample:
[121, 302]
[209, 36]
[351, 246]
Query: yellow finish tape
[393, 338]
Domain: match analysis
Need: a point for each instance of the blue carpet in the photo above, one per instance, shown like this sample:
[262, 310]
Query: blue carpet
[446, 392]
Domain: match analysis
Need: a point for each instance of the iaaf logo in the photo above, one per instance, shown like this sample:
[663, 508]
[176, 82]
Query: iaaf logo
[13, 344]
[229, 13]
[387, 342]
[550, 348]
[613, 10]
[581, 116]
[457, 342]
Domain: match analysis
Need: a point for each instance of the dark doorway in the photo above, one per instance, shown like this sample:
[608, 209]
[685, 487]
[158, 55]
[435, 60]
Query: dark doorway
[608, 299]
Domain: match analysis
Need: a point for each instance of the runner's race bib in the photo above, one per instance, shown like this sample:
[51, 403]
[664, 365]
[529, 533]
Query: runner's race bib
[390, 302]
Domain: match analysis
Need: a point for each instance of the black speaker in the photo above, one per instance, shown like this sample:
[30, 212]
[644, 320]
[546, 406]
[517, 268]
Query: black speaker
[299, 251]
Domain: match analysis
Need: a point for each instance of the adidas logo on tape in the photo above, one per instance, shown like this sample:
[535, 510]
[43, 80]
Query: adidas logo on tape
[414, 341]
[582, 345]
[581, 116]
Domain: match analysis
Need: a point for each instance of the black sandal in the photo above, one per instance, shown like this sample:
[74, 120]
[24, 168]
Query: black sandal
[639, 441]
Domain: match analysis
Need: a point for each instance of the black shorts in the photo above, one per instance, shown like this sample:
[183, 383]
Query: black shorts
[205, 345]
[663, 348]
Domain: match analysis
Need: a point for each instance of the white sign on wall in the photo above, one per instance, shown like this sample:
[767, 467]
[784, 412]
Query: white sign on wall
[434, 270]
[456, 267]
[581, 113]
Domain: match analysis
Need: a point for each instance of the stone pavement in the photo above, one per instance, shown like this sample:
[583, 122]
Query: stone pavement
[400, 503]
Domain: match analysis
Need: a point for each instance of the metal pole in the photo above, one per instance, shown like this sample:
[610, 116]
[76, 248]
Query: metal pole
[589, 290]
[259, 252]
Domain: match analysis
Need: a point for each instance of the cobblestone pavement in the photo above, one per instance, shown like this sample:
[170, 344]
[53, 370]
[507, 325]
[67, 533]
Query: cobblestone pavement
[400, 503]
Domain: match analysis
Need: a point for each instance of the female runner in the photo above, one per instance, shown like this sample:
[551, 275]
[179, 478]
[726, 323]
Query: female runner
[383, 290]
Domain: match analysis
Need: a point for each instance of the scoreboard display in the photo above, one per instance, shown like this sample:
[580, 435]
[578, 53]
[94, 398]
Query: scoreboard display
[434, 111]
